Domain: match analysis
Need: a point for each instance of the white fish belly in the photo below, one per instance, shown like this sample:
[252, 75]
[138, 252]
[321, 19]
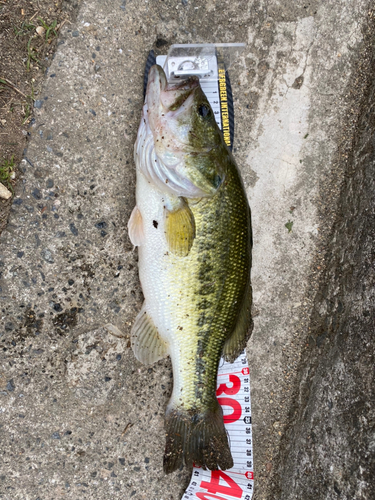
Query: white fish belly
[168, 284]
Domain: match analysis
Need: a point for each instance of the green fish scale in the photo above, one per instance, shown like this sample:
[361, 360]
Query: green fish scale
[224, 248]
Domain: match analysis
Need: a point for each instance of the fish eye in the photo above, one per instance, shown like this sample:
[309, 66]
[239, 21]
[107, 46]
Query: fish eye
[204, 110]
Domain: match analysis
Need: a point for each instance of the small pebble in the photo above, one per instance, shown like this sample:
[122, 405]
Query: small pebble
[73, 228]
[4, 192]
[47, 255]
[10, 386]
[37, 194]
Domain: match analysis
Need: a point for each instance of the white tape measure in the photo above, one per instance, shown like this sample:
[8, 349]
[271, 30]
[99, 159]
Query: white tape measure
[233, 382]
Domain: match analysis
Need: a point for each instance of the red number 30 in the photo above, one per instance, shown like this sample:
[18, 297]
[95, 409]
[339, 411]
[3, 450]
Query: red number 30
[223, 388]
[230, 391]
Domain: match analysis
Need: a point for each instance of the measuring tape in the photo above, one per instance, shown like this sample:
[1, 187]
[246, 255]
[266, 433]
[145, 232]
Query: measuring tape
[233, 380]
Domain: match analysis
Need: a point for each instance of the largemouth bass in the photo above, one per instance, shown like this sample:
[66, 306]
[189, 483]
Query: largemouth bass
[192, 227]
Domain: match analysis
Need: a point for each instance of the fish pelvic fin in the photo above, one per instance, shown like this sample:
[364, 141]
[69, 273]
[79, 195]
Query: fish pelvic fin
[147, 345]
[237, 341]
[196, 438]
[135, 227]
[179, 229]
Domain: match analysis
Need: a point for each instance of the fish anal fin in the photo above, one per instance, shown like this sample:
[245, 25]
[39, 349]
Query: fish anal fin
[179, 229]
[147, 345]
[135, 227]
[196, 438]
[237, 341]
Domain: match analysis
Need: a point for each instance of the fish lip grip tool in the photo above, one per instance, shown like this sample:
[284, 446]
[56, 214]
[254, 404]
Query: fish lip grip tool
[210, 62]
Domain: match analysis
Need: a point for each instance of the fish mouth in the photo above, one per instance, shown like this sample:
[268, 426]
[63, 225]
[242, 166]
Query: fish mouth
[157, 79]
[162, 96]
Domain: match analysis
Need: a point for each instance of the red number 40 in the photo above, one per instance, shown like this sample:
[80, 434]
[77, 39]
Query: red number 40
[231, 488]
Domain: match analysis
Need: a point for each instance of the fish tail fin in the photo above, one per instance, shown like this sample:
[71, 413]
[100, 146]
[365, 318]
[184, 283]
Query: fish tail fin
[196, 438]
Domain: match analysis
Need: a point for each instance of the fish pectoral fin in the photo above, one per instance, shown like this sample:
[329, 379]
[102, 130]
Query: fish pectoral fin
[147, 345]
[236, 343]
[135, 227]
[179, 229]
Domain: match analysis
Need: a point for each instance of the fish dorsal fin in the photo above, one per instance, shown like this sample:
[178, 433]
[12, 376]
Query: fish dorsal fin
[147, 345]
[135, 227]
[236, 343]
[179, 227]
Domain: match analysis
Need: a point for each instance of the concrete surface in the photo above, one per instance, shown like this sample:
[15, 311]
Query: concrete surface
[80, 417]
[330, 444]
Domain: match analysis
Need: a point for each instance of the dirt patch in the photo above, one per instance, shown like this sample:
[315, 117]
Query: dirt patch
[28, 39]
[66, 320]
